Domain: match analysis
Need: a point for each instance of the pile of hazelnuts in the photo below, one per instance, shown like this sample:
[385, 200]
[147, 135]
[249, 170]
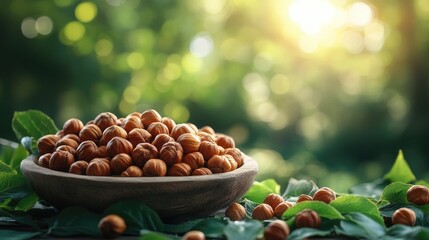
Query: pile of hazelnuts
[138, 145]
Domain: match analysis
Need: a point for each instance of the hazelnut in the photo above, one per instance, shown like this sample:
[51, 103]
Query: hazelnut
[47, 144]
[273, 200]
[235, 212]
[60, 133]
[170, 123]
[120, 121]
[206, 137]
[67, 141]
[139, 135]
[131, 122]
[418, 195]
[201, 171]
[66, 148]
[231, 161]
[87, 150]
[171, 153]
[194, 235]
[143, 152]
[209, 130]
[120, 163]
[190, 142]
[112, 226]
[90, 132]
[179, 169]
[132, 171]
[155, 168]
[276, 230]
[325, 195]
[157, 128]
[161, 139]
[135, 114]
[90, 122]
[61, 161]
[111, 132]
[72, 136]
[105, 120]
[263, 212]
[118, 145]
[209, 149]
[281, 208]
[79, 167]
[102, 152]
[307, 218]
[180, 129]
[236, 154]
[303, 198]
[72, 126]
[194, 160]
[404, 216]
[150, 116]
[219, 164]
[43, 160]
[194, 128]
[98, 167]
[225, 141]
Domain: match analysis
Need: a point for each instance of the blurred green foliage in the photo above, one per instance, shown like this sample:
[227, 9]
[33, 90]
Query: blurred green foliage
[326, 89]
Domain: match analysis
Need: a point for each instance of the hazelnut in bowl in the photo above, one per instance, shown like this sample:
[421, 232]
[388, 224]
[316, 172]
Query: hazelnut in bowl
[171, 168]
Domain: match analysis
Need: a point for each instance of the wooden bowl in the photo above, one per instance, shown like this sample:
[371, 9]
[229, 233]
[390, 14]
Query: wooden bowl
[170, 197]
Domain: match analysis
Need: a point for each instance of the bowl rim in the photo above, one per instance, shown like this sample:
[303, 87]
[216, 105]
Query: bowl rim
[29, 165]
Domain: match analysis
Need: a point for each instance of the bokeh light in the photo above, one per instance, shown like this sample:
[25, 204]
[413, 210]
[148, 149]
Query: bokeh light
[359, 14]
[28, 27]
[86, 12]
[74, 31]
[201, 45]
[44, 25]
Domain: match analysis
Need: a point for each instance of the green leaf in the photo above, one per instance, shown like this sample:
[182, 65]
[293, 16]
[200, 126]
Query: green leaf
[20, 217]
[249, 206]
[396, 192]
[74, 221]
[9, 181]
[297, 187]
[371, 189]
[304, 233]
[27, 202]
[246, 230]
[182, 227]
[352, 203]
[359, 225]
[18, 155]
[137, 216]
[32, 123]
[4, 168]
[324, 210]
[150, 235]
[18, 235]
[400, 231]
[260, 190]
[400, 172]
[211, 227]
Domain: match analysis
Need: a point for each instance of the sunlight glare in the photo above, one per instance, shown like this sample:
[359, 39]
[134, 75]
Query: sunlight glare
[359, 14]
[312, 15]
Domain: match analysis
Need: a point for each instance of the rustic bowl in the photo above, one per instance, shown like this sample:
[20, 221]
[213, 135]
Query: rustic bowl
[171, 197]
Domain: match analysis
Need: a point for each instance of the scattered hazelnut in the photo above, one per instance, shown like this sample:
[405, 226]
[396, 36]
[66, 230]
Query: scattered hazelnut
[325, 195]
[303, 198]
[404, 216]
[235, 212]
[132, 122]
[276, 230]
[47, 144]
[150, 116]
[112, 226]
[90, 132]
[225, 141]
[61, 161]
[219, 164]
[307, 218]
[194, 160]
[155, 168]
[281, 208]
[263, 212]
[44, 160]
[418, 195]
[118, 145]
[202, 171]
[111, 132]
[79, 167]
[98, 167]
[142, 153]
[120, 163]
[194, 235]
[179, 169]
[161, 139]
[190, 142]
[72, 126]
[132, 171]
[208, 149]
[105, 120]
[87, 150]
[157, 128]
[273, 200]
[180, 129]
[171, 153]
[170, 123]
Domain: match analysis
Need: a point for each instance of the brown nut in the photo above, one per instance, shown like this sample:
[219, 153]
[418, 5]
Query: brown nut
[132, 171]
[87, 150]
[102, 152]
[276, 230]
[105, 120]
[194, 128]
[281, 208]
[404, 216]
[307, 218]
[209, 149]
[180, 129]
[139, 135]
[418, 195]
[67, 141]
[179, 169]
[231, 161]
[194, 235]
[61, 161]
[190, 142]
[43, 160]
[111, 132]
[157, 128]
[325, 195]
[112, 226]
[171, 153]
[135, 114]
[60, 133]
[72, 136]
[72, 126]
[79, 167]
[225, 141]
[170, 123]
[150, 116]
[206, 137]
[47, 143]
[201, 171]
[66, 148]
[118, 145]
[155, 168]
[273, 200]
[120, 163]
[303, 198]
[219, 164]
[194, 160]
[161, 139]
[98, 167]
[142, 153]
[91, 132]
[208, 129]
[236, 154]
[263, 212]
[132, 122]
[235, 212]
